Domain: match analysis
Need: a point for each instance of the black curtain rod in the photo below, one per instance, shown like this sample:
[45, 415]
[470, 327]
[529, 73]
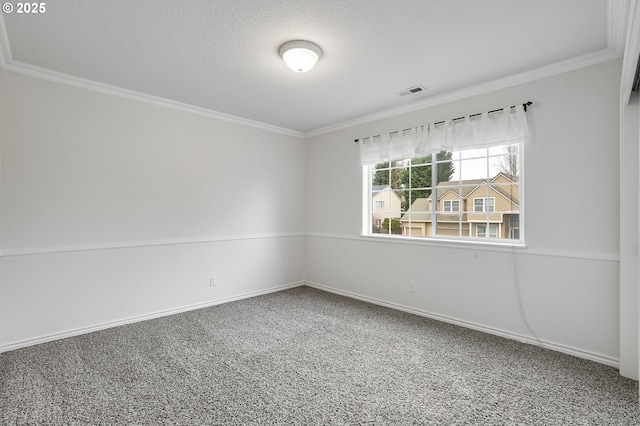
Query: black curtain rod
[525, 105]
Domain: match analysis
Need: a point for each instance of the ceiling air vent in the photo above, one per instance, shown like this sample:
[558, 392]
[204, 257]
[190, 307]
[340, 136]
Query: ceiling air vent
[412, 90]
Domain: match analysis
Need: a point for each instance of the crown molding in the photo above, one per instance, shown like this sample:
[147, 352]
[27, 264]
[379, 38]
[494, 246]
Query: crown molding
[617, 35]
[573, 64]
[82, 83]
[618, 15]
[7, 63]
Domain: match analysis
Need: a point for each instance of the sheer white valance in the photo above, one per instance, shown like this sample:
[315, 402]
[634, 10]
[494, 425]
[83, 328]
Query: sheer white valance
[506, 126]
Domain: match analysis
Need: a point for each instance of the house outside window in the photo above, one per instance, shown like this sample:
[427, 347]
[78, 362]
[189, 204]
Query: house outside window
[386, 209]
[476, 194]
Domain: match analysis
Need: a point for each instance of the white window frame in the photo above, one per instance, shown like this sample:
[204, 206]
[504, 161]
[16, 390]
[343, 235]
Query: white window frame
[451, 210]
[491, 226]
[434, 238]
[485, 204]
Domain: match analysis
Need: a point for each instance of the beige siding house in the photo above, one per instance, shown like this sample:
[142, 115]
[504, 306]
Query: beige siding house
[475, 208]
[386, 204]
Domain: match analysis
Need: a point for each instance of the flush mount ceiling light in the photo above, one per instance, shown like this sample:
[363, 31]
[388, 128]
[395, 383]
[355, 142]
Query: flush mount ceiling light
[300, 55]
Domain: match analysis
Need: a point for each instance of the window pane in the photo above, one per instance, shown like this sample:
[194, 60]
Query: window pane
[454, 228]
[416, 222]
[507, 196]
[513, 227]
[473, 153]
[420, 176]
[490, 204]
[497, 150]
[506, 159]
[477, 195]
[473, 169]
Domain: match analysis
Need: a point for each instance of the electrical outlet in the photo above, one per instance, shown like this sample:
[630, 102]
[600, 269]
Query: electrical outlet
[213, 281]
[412, 286]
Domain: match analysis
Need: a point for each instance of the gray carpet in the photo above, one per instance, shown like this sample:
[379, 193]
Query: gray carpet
[305, 357]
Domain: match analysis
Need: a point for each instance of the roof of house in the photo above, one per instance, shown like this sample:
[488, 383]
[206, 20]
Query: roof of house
[420, 211]
[465, 187]
[375, 189]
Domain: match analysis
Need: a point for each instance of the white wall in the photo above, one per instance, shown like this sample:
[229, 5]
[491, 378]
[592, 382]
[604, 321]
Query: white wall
[114, 209]
[568, 273]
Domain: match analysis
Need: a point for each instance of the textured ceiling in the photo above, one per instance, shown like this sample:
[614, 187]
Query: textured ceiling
[222, 55]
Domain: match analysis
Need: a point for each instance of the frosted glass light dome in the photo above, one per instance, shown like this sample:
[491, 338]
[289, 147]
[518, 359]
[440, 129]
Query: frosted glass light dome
[300, 55]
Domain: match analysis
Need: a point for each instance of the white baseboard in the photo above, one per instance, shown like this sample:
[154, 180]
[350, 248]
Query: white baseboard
[602, 359]
[96, 327]
[490, 330]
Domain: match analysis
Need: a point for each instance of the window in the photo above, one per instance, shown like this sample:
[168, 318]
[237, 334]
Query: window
[451, 205]
[380, 204]
[481, 231]
[514, 227]
[468, 195]
[484, 204]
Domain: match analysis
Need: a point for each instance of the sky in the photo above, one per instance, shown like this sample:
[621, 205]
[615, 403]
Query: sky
[474, 164]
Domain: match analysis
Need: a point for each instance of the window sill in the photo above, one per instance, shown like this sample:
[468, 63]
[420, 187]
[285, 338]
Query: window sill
[495, 245]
